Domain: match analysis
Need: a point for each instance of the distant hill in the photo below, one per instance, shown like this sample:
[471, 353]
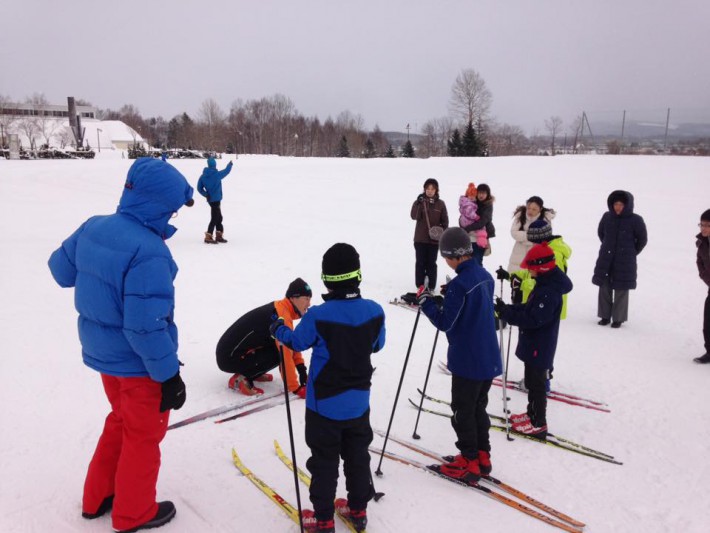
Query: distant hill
[652, 130]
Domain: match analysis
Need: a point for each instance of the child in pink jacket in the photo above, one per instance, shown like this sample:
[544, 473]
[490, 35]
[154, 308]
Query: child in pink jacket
[469, 214]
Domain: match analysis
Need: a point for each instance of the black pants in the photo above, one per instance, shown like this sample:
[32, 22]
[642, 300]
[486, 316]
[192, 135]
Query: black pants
[329, 440]
[469, 399]
[536, 383]
[425, 265]
[706, 323]
[216, 217]
[251, 364]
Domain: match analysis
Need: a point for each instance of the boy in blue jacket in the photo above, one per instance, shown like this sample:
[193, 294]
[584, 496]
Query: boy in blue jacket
[473, 356]
[210, 186]
[539, 323]
[122, 273]
[344, 332]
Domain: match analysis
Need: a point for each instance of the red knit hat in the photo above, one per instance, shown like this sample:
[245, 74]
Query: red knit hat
[540, 258]
[471, 190]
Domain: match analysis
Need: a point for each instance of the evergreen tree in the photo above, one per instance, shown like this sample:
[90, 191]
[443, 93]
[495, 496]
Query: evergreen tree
[343, 150]
[408, 150]
[369, 149]
[454, 145]
[389, 152]
[470, 146]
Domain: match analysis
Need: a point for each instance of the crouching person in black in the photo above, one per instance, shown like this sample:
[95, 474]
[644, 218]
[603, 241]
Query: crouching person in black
[344, 331]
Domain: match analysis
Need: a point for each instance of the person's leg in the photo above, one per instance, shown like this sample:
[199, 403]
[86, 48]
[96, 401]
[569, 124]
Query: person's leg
[214, 216]
[620, 312]
[323, 437]
[420, 262]
[219, 218]
[604, 302]
[464, 404]
[706, 323]
[144, 427]
[356, 462]
[535, 381]
[431, 268]
[483, 423]
[99, 483]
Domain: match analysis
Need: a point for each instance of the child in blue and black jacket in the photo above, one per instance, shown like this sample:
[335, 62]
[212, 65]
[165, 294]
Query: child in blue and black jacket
[344, 332]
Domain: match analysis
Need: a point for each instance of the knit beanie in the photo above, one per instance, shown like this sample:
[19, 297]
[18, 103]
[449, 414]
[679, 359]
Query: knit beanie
[471, 190]
[298, 288]
[540, 258]
[341, 267]
[540, 231]
[455, 243]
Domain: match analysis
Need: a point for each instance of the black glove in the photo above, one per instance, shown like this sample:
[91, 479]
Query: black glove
[501, 273]
[499, 307]
[302, 374]
[442, 289]
[172, 393]
[516, 294]
[438, 300]
[423, 296]
[275, 325]
[420, 198]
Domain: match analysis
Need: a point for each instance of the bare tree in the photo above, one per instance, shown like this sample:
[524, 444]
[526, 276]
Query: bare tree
[553, 125]
[507, 139]
[212, 117]
[8, 118]
[470, 98]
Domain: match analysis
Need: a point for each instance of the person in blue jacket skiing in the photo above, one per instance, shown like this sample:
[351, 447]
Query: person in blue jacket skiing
[122, 273]
[344, 332]
[210, 186]
[473, 356]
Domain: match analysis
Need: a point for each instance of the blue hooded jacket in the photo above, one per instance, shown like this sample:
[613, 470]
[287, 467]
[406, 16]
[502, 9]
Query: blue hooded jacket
[210, 183]
[467, 318]
[123, 273]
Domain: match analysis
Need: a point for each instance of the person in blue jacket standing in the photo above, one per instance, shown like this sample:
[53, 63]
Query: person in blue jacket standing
[122, 273]
[623, 236]
[344, 332]
[473, 356]
[210, 186]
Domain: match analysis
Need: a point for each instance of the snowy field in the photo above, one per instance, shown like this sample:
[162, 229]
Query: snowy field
[281, 214]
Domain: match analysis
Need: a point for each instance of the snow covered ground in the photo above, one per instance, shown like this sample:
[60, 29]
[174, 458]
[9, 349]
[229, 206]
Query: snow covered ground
[281, 214]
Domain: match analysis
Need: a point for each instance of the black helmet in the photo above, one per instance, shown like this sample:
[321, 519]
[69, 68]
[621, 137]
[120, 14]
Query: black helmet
[455, 243]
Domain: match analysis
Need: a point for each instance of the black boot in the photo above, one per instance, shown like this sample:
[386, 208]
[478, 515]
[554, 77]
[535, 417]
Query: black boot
[102, 510]
[703, 359]
[166, 512]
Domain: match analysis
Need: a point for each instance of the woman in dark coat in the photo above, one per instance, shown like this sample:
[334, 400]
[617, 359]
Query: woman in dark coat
[484, 201]
[623, 236]
[429, 211]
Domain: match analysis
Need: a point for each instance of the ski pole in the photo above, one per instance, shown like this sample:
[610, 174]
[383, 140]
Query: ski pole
[378, 472]
[426, 381]
[505, 369]
[290, 436]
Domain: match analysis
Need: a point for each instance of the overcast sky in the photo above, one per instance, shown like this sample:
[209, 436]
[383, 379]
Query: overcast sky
[391, 61]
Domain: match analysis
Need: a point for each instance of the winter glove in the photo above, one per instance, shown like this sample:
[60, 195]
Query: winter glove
[302, 374]
[499, 307]
[442, 289]
[423, 295]
[516, 294]
[301, 392]
[275, 325]
[502, 274]
[172, 393]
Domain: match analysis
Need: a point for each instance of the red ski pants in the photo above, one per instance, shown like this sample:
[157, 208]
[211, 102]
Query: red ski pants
[127, 457]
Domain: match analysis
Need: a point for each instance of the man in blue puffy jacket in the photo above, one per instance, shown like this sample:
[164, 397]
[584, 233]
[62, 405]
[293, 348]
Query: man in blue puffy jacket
[122, 273]
[343, 332]
[473, 356]
[210, 186]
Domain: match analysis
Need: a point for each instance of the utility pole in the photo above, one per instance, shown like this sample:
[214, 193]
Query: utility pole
[98, 139]
[665, 138]
[407, 130]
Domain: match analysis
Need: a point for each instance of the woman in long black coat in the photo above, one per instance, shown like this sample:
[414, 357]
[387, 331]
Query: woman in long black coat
[623, 236]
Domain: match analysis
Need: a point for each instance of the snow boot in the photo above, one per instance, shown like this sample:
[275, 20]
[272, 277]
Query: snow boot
[358, 518]
[102, 510]
[166, 512]
[462, 469]
[703, 359]
[243, 385]
[312, 525]
[604, 322]
[264, 378]
[209, 239]
[532, 431]
[484, 463]
[522, 418]
[616, 325]
[220, 238]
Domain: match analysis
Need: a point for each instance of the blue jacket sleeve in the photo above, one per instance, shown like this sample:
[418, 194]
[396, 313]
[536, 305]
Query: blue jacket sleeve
[225, 172]
[445, 318]
[148, 326]
[201, 187]
[62, 262]
[536, 313]
[301, 338]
